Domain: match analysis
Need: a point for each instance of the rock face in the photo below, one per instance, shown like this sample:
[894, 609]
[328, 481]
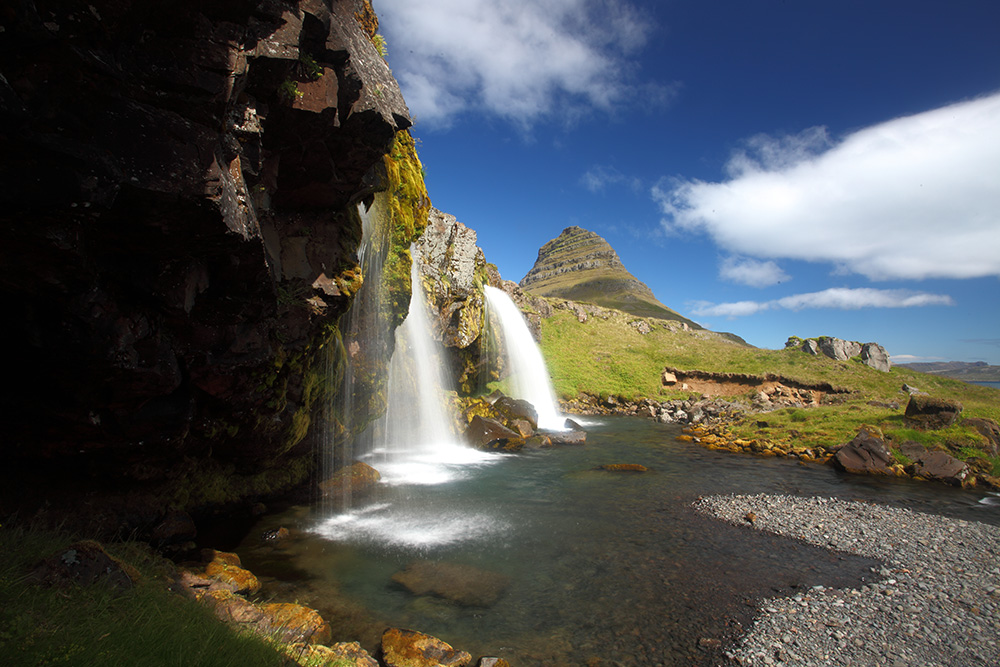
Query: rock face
[178, 234]
[928, 412]
[581, 266]
[454, 271]
[872, 354]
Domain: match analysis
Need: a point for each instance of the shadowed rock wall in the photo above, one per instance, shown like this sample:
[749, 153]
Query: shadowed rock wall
[178, 236]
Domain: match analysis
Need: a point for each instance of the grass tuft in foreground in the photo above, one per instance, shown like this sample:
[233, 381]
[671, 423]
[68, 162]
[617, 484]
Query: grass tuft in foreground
[99, 625]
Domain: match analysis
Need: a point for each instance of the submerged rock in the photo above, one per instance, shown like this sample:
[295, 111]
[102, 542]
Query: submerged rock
[623, 467]
[351, 480]
[408, 648]
[463, 584]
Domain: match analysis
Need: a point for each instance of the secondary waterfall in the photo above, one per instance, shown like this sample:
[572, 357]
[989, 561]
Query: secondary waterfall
[529, 378]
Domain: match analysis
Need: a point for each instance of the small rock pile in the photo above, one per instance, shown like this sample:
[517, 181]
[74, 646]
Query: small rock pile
[705, 410]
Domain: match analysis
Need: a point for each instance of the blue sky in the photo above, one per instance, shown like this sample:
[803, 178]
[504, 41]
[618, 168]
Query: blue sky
[768, 168]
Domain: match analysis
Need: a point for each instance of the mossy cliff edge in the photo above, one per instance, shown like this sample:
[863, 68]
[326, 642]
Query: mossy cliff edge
[178, 241]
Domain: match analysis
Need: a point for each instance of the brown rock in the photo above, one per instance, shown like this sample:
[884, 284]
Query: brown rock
[568, 437]
[238, 580]
[288, 622]
[935, 465]
[522, 427]
[867, 453]
[929, 412]
[486, 433]
[351, 480]
[231, 608]
[515, 408]
[407, 648]
[463, 584]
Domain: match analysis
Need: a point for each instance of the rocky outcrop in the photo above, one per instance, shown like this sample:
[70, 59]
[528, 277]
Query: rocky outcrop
[581, 266]
[770, 391]
[929, 412]
[935, 465]
[178, 236]
[454, 271]
[871, 354]
[867, 454]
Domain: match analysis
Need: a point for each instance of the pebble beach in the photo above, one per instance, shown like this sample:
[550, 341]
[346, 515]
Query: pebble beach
[935, 601]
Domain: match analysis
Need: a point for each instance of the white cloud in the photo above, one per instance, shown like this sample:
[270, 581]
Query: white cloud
[518, 59]
[838, 298]
[912, 359]
[911, 198]
[598, 178]
[752, 272]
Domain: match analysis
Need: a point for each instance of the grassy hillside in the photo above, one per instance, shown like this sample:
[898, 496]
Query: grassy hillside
[609, 356]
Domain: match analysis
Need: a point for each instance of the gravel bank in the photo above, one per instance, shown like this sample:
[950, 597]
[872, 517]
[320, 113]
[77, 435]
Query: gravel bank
[935, 602]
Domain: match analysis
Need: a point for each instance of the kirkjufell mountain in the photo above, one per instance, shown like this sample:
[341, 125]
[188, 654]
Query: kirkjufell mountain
[581, 266]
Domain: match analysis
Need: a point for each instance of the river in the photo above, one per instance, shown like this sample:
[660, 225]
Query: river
[598, 565]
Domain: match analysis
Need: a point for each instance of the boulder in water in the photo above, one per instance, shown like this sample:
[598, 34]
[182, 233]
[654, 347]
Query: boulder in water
[463, 584]
[408, 648]
[516, 408]
[486, 433]
[867, 453]
[568, 437]
[935, 465]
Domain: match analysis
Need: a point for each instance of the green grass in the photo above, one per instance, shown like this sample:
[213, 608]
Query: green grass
[97, 625]
[608, 357]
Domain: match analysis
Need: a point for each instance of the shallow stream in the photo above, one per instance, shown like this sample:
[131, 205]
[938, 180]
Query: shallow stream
[592, 565]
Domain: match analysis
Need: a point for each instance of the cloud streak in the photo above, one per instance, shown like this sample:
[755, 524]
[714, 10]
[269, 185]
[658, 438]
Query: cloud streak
[519, 59]
[752, 272]
[598, 178]
[836, 298]
[912, 198]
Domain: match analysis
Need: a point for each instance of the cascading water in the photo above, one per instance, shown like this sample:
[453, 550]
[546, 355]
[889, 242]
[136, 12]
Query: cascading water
[413, 445]
[417, 441]
[529, 378]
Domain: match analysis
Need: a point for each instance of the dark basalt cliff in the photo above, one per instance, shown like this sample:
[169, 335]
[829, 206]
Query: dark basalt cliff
[178, 236]
[581, 266]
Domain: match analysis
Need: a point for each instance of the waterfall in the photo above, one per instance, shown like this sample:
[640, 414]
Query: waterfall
[414, 441]
[529, 379]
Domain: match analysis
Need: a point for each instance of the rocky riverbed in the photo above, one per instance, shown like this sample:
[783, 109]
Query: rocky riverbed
[935, 601]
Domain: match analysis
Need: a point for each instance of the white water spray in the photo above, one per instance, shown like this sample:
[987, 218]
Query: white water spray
[529, 379]
[418, 445]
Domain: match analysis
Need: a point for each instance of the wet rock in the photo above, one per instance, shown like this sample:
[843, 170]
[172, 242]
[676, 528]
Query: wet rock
[572, 425]
[85, 562]
[567, 437]
[623, 467]
[288, 622]
[408, 648]
[934, 464]
[343, 654]
[493, 662]
[867, 453]
[226, 569]
[538, 442]
[275, 534]
[516, 408]
[486, 433]
[929, 413]
[463, 584]
[349, 481]
[522, 427]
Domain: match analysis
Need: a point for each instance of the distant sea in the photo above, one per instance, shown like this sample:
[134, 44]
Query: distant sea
[995, 385]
